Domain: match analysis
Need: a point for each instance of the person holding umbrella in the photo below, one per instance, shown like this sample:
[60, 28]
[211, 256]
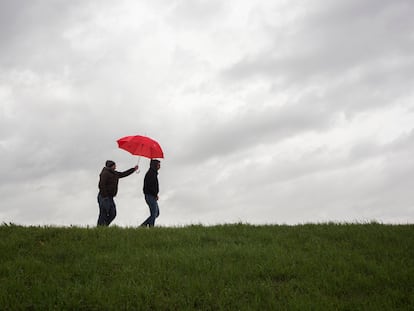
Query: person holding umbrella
[151, 189]
[108, 188]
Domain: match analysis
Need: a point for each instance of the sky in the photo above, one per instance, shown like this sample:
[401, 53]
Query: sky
[268, 111]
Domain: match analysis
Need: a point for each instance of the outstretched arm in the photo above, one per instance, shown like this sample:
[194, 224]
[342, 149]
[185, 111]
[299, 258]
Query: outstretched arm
[127, 172]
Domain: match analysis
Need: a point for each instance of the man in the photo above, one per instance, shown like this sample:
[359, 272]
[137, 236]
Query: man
[108, 188]
[151, 190]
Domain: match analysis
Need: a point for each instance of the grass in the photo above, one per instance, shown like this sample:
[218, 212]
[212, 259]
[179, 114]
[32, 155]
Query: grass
[229, 267]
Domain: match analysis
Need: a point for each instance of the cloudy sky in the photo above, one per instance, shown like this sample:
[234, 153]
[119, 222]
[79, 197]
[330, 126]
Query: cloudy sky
[268, 111]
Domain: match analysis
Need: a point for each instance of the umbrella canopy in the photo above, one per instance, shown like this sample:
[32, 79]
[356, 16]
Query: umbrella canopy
[141, 145]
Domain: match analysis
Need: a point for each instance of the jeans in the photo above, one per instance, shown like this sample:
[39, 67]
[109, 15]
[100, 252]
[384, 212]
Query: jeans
[107, 210]
[154, 210]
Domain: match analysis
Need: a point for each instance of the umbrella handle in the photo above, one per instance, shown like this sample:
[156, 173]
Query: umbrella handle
[137, 171]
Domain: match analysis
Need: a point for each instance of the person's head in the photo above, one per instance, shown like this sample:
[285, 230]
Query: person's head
[110, 164]
[155, 164]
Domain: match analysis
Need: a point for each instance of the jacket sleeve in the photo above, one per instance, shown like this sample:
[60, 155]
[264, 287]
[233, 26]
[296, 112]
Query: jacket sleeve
[126, 173]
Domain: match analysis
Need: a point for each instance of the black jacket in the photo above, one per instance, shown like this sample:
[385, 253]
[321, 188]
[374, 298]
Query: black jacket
[108, 181]
[151, 182]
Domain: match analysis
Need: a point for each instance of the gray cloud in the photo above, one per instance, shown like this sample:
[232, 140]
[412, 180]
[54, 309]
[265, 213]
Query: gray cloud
[334, 40]
[252, 127]
[187, 13]
[267, 112]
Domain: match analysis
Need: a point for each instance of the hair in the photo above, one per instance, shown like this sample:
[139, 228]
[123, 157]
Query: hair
[109, 163]
[154, 163]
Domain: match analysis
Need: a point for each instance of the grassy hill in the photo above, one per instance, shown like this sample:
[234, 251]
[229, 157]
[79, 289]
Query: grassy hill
[229, 267]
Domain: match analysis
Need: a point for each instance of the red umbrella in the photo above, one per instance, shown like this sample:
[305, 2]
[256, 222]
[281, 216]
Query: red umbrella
[141, 145]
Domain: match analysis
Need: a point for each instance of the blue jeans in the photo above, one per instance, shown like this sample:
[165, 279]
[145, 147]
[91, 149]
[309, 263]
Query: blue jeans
[107, 210]
[154, 210]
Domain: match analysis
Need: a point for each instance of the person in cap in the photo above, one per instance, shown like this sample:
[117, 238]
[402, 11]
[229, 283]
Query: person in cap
[151, 189]
[108, 188]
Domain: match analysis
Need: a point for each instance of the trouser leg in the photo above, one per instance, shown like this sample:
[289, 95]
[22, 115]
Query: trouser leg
[112, 211]
[154, 210]
[102, 211]
[107, 210]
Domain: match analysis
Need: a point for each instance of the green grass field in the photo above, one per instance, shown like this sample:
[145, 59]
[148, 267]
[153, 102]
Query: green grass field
[229, 267]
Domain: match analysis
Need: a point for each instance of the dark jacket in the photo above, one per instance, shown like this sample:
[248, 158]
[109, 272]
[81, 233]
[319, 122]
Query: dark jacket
[108, 181]
[151, 182]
